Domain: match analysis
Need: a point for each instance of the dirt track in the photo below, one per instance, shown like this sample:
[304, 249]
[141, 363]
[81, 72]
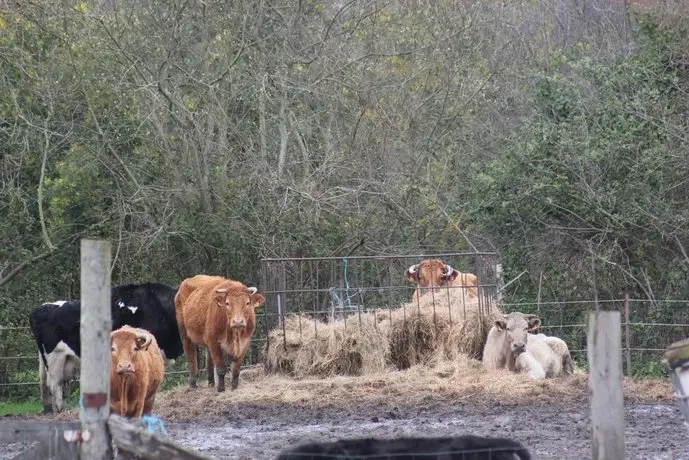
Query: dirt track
[268, 413]
[260, 431]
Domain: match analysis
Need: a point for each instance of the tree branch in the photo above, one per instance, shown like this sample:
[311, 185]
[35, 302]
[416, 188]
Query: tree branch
[6, 279]
[41, 215]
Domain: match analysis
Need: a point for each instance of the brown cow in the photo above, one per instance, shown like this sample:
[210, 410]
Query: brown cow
[183, 292]
[432, 274]
[136, 371]
[217, 313]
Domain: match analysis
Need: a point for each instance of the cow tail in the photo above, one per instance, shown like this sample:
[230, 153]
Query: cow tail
[567, 364]
[38, 337]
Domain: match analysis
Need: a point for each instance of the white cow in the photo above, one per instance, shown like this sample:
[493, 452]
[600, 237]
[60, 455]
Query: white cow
[510, 346]
[63, 367]
[561, 349]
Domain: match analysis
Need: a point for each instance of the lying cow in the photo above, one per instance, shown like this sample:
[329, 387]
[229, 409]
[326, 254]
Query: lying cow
[561, 349]
[149, 306]
[510, 346]
[448, 448]
[433, 274]
[219, 314]
[136, 371]
[64, 367]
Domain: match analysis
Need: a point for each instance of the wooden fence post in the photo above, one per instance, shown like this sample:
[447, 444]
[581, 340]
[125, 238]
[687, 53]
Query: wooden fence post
[604, 349]
[96, 325]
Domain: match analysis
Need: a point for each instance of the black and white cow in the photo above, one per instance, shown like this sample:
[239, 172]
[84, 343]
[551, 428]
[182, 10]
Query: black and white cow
[56, 329]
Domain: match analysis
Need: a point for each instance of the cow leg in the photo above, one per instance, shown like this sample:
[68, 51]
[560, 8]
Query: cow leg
[210, 369]
[139, 408]
[525, 362]
[57, 395]
[215, 352]
[235, 367]
[191, 353]
[46, 395]
[56, 379]
[148, 404]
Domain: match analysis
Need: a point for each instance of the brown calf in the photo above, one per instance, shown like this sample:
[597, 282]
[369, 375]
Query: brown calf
[136, 371]
[217, 313]
[432, 274]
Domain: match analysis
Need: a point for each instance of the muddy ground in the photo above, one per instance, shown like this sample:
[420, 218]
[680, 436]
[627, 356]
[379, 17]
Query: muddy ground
[269, 413]
[652, 431]
[260, 431]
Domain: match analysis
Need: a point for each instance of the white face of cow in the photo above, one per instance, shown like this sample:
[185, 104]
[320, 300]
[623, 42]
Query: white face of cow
[517, 326]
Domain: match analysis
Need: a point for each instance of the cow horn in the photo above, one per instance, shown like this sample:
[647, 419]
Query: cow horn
[143, 340]
[413, 268]
[253, 290]
[448, 270]
[221, 290]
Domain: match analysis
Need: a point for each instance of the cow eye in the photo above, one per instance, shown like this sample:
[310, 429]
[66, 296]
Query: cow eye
[112, 348]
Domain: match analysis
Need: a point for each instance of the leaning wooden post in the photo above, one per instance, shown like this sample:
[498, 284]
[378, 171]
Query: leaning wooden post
[96, 325]
[604, 349]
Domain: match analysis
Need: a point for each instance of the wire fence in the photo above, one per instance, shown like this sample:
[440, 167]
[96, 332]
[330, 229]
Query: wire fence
[321, 290]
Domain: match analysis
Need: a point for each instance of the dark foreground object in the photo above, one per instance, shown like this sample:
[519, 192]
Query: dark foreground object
[445, 448]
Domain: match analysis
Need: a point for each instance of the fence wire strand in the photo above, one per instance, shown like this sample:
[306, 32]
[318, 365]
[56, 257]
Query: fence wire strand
[320, 290]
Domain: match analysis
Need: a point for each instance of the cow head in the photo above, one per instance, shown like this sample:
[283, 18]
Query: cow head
[125, 345]
[240, 303]
[434, 274]
[517, 326]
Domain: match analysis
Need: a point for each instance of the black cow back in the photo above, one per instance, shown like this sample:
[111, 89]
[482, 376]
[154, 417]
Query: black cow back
[51, 323]
[445, 448]
[149, 306]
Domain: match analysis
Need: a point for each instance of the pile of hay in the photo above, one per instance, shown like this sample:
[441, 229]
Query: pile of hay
[428, 330]
[432, 329]
[309, 347]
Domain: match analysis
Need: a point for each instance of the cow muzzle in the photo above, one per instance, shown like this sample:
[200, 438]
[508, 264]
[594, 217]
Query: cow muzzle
[238, 323]
[518, 349]
[125, 368]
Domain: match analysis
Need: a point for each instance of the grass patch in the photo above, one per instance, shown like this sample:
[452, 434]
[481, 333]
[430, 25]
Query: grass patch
[20, 407]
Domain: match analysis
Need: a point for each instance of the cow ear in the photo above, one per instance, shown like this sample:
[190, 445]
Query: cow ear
[220, 295]
[257, 299]
[534, 322]
[412, 273]
[501, 324]
[143, 341]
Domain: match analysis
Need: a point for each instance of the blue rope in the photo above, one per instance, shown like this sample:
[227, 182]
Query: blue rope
[344, 261]
[152, 422]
